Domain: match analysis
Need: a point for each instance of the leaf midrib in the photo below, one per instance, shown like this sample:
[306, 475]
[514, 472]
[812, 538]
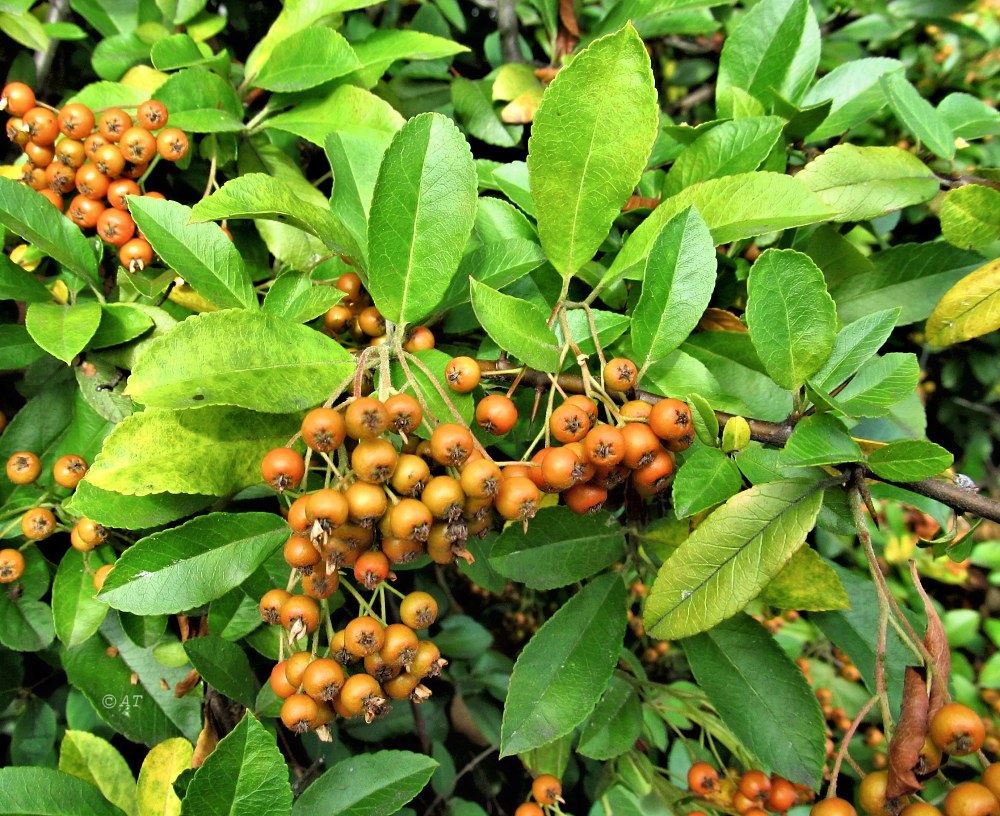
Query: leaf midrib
[579, 636]
[737, 552]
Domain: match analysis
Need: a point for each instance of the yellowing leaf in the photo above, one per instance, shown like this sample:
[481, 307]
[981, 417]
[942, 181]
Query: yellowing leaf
[160, 768]
[971, 308]
[521, 109]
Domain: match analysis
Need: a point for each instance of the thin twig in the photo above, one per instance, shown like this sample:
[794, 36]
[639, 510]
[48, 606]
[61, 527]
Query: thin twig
[865, 537]
[507, 29]
[469, 766]
[843, 751]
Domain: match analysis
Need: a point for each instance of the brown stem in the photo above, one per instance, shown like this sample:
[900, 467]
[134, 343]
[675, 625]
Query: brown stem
[962, 499]
[507, 28]
[855, 494]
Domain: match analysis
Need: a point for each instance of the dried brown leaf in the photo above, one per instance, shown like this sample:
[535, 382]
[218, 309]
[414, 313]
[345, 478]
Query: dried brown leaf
[567, 14]
[908, 736]
[720, 320]
[641, 203]
[936, 643]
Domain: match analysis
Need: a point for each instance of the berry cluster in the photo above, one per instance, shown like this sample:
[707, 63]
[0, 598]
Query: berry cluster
[593, 457]
[40, 522]
[955, 730]
[390, 497]
[753, 793]
[356, 320]
[97, 155]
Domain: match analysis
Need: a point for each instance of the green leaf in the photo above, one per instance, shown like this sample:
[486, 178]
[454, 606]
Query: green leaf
[512, 180]
[862, 183]
[178, 51]
[235, 615]
[376, 784]
[120, 322]
[762, 696]
[969, 309]
[143, 630]
[806, 583]
[774, 50]
[25, 29]
[383, 47]
[879, 385]
[24, 212]
[33, 737]
[98, 762]
[497, 264]
[517, 326]
[733, 208]
[355, 160]
[201, 101]
[214, 451]
[913, 277]
[63, 331]
[708, 477]
[162, 765]
[192, 564]
[204, 361]
[855, 344]
[497, 220]
[820, 439]
[133, 512]
[730, 558]
[132, 691]
[590, 139]
[295, 16]
[258, 195]
[202, 254]
[706, 360]
[347, 108]
[969, 117]
[855, 631]
[561, 548]
[17, 349]
[677, 285]
[245, 775]
[112, 57]
[474, 108]
[76, 612]
[422, 213]
[970, 216]
[738, 146]
[791, 316]
[45, 792]
[856, 92]
[565, 667]
[306, 59]
[25, 624]
[20, 284]
[463, 637]
[295, 297]
[108, 95]
[909, 460]
[224, 666]
[706, 423]
[615, 724]
[918, 115]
